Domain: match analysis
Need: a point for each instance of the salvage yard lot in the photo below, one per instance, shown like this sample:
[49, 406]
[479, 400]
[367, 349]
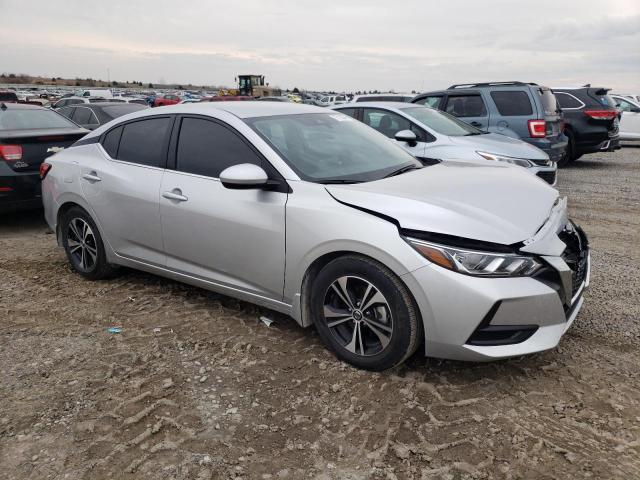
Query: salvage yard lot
[196, 387]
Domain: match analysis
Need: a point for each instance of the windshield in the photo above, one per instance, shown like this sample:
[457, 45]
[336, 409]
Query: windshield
[24, 119]
[327, 148]
[441, 122]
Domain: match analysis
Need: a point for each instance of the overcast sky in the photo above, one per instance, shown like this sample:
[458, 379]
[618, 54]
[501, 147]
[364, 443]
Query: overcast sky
[327, 45]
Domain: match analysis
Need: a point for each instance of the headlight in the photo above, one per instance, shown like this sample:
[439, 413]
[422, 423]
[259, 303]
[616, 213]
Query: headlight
[522, 162]
[477, 263]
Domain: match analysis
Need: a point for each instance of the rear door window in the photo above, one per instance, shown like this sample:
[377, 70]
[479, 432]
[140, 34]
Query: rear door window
[466, 106]
[512, 103]
[143, 142]
[207, 148]
[348, 111]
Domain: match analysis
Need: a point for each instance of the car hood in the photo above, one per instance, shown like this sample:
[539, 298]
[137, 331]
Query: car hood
[500, 144]
[496, 204]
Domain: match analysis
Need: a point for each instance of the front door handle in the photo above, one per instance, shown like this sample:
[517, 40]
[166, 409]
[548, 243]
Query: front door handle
[175, 194]
[92, 177]
[476, 124]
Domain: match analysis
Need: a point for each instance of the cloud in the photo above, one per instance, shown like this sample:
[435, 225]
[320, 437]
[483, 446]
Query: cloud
[337, 45]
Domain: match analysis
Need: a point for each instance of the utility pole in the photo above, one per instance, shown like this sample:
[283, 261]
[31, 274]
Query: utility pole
[108, 76]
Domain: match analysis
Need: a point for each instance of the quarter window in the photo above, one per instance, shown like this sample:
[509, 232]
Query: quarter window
[143, 142]
[512, 103]
[567, 101]
[432, 102]
[207, 148]
[111, 140]
[466, 106]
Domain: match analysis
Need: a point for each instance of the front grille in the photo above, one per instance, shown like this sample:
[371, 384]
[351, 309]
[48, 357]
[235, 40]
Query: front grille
[576, 255]
[549, 177]
[542, 163]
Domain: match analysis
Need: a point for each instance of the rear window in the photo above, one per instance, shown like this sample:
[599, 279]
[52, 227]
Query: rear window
[549, 103]
[32, 119]
[512, 103]
[8, 97]
[604, 99]
[115, 111]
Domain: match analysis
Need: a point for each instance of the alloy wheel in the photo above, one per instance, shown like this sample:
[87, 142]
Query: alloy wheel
[82, 244]
[358, 316]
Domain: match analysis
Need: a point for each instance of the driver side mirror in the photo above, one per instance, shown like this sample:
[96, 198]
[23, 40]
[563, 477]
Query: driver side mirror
[406, 136]
[244, 176]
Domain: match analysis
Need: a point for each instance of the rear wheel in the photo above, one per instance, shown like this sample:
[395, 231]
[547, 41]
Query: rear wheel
[364, 313]
[569, 153]
[83, 245]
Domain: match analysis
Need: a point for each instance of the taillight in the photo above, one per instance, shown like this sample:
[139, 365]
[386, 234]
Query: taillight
[11, 153]
[44, 169]
[601, 114]
[537, 128]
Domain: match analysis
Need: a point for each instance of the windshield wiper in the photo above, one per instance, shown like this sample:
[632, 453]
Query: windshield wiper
[402, 170]
[338, 181]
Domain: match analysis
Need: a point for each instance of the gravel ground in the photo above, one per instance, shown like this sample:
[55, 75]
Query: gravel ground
[195, 387]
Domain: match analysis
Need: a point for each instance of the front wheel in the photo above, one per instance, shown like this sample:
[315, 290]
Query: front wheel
[364, 313]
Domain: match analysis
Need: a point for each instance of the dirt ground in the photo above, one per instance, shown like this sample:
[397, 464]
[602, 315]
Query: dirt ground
[196, 387]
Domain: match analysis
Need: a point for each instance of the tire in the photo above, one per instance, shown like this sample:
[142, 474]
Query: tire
[569, 154]
[83, 245]
[380, 336]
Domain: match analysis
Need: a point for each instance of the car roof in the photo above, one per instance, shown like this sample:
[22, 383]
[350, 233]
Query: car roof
[387, 105]
[245, 109]
[20, 106]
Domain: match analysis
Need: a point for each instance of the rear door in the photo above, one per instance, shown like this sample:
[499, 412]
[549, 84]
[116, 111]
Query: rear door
[468, 107]
[513, 110]
[235, 238]
[122, 185]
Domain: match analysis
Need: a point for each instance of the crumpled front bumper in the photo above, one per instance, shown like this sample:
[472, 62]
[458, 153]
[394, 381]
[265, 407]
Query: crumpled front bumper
[481, 319]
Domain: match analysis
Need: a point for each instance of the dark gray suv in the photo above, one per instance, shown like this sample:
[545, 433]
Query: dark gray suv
[520, 110]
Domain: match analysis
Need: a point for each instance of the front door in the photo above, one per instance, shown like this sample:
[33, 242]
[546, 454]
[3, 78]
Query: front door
[389, 123]
[235, 238]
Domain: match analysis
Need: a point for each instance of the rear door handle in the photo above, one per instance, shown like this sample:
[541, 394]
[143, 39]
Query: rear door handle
[92, 177]
[175, 194]
[476, 124]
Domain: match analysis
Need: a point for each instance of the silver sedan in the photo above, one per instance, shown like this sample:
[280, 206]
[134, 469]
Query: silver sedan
[312, 213]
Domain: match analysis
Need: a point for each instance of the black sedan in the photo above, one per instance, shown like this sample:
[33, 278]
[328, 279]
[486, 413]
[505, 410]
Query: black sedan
[92, 115]
[28, 135]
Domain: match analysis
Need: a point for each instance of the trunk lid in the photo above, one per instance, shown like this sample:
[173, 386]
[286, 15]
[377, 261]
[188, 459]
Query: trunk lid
[37, 145]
